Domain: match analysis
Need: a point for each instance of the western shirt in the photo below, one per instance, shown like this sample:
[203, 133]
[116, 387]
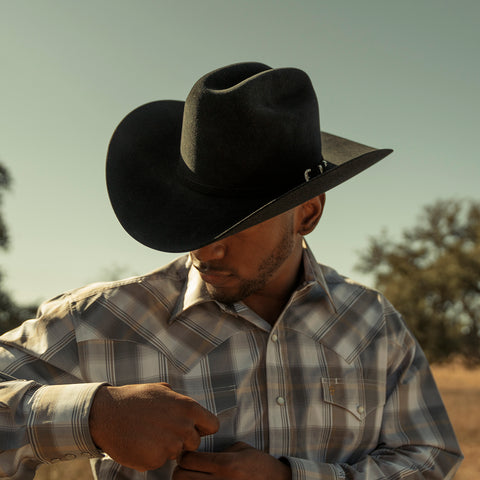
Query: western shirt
[338, 386]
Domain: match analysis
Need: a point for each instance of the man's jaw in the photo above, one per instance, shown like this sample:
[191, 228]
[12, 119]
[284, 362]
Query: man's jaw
[213, 275]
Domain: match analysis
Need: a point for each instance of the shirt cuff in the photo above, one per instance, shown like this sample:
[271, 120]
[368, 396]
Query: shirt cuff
[308, 470]
[57, 424]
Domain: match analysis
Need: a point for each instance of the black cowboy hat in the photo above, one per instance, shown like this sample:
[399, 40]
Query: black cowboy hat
[244, 147]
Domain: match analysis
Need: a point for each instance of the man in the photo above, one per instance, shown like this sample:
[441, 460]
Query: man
[245, 358]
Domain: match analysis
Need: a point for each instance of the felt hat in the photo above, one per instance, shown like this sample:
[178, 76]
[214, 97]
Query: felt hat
[244, 147]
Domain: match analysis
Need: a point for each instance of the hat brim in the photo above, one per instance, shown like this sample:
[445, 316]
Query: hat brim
[166, 214]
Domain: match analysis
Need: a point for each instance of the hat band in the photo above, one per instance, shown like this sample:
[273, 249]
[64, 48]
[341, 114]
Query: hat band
[187, 178]
[270, 189]
[224, 192]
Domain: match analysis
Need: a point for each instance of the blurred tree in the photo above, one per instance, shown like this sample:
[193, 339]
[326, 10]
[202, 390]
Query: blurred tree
[432, 276]
[10, 313]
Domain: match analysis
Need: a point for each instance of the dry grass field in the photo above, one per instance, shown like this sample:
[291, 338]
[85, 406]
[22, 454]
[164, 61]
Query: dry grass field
[74, 470]
[460, 389]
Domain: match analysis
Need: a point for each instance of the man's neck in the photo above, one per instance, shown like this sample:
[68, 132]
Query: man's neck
[270, 301]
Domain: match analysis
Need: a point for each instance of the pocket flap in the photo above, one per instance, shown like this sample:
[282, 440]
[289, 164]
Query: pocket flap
[359, 398]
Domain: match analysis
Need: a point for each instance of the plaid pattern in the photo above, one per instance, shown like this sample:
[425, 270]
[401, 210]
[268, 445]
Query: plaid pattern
[338, 386]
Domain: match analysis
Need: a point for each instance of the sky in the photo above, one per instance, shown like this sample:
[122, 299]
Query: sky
[402, 75]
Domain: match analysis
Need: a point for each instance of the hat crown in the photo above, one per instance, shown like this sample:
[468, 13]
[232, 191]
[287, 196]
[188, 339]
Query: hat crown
[248, 127]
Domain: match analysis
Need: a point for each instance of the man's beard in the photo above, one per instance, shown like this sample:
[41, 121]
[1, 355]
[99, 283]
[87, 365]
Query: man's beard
[266, 270]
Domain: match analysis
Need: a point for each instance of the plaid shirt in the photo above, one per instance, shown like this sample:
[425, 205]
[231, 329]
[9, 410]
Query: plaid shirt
[338, 385]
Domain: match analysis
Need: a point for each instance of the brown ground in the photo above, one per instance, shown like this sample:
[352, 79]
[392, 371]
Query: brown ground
[460, 388]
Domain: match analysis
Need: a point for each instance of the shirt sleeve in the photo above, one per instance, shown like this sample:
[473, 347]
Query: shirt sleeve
[44, 406]
[43, 424]
[416, 442]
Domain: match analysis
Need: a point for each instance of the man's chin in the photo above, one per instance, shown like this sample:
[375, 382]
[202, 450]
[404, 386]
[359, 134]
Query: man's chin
[237, 293]
[222, 295]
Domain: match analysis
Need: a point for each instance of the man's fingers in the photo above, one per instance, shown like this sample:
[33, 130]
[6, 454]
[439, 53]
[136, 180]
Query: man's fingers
[200, 461]
[210, 461]
[192, 441]
[206, 422]
[237, 447]
[174, 450]
[241, 462]
[182, 474]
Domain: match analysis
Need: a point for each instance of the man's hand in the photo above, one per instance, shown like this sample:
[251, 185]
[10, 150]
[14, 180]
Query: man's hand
[143, 426]
[238, 462]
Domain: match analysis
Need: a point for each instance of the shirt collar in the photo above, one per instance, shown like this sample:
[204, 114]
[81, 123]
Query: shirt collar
[313, 273]
[195, 291]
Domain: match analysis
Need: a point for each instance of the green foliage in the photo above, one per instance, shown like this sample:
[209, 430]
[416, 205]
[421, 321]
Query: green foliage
[432, 276]
[11, 314]
[5, 182]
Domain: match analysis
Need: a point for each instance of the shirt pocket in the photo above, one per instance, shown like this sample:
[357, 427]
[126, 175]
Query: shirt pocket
[359, 399]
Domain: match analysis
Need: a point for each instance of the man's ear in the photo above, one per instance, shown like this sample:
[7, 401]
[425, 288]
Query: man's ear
[310, 213]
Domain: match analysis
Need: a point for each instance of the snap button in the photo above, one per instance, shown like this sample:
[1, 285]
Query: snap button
[280, 401]
[69, 456]
[274, 337]
[360, 409]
